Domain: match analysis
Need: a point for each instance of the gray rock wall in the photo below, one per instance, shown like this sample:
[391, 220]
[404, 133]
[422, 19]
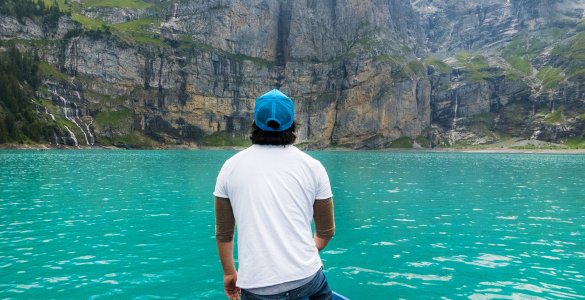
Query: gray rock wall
[354, 68]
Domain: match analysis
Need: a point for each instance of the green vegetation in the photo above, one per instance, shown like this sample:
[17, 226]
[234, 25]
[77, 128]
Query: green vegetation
[391, 59]
[521, 49]
[365, 38]
[575, 143]
[512, 74]
[222, 139]
[139, 31]
[401, 143]
[555, 117]
[577, 76]
[551, 77]
[45, 103]
[524, 45]
[481, 124]
[35, 44]
[64, 122]
[410, 70]
[581, 116]
[74, 9]
[443, 67]
[415, 68]
[514, 116]
[475, 64]
[88, 23]
[552, 34]
[135, 4]
[114, 119]
[423, 140]
[47, 70]
[577, 48]
[539, 147]
[520, 63]
[468, 59]
[100, 102]
[19, 79]
[572, 56]
[366, 42]
[60, 3]
[581, 25]
[187, 42]
[33, 9]
[133, 139]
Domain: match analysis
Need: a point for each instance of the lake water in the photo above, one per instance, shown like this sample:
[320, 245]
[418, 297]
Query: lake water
[100, 224]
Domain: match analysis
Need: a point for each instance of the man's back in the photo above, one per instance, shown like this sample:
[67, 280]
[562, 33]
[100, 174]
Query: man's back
[272, 190]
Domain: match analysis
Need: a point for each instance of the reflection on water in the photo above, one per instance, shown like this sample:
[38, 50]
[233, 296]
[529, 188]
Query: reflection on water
[127, 224]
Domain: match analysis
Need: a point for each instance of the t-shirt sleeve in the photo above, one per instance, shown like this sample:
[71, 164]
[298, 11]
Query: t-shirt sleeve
[221, 189]
[323, 190]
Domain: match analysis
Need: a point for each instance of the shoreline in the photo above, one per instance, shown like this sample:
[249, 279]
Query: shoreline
[43, 147]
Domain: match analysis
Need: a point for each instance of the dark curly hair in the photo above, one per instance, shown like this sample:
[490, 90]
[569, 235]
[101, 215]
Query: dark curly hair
[275, 138]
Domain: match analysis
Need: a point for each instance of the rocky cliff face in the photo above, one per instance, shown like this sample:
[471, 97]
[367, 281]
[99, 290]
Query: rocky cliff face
[362, 73]
[500, 55]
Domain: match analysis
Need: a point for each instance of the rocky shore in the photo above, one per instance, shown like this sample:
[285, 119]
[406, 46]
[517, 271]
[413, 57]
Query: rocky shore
[521, 146]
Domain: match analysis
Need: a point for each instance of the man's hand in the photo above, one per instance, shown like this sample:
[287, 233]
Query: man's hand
[229, 286]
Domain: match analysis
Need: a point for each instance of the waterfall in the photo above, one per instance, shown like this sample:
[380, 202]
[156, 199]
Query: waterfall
[455, 111]
[72, 114]
[72, 135]
[453, 132]
[50, 114]
[91, 137]
[65, 102]
[74, 117]
[552, 102]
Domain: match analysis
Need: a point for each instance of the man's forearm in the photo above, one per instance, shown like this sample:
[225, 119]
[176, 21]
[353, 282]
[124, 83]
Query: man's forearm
[320, 243]
[224, 233]
[226, 256]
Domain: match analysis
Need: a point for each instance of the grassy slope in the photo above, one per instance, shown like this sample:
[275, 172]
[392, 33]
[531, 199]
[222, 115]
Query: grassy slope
[141, 31]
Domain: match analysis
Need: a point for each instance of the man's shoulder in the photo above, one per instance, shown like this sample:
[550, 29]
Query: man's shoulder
[239, 155]
[305, 156]
[255, 151]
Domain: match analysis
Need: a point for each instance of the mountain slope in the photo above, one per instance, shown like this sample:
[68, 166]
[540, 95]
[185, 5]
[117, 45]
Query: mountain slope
[364, 74]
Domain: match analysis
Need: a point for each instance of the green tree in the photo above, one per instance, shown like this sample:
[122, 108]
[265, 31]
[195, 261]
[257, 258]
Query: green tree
[19, 79]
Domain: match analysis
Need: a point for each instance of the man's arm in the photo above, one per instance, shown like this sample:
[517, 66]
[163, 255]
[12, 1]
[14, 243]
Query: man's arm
[224, 234]
[324, 222]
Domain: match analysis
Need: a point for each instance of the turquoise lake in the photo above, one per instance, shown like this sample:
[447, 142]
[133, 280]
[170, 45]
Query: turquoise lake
[106, 224]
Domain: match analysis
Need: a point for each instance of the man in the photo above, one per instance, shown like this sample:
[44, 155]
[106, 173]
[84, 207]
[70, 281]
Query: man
[272, 191]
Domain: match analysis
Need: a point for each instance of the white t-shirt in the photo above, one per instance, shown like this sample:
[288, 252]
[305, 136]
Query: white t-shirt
[272, 190]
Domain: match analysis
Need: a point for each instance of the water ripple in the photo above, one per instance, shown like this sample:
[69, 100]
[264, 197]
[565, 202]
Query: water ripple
[139, 224]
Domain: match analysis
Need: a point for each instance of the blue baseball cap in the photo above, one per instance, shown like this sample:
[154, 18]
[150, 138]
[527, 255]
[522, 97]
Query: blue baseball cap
[274, 111]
